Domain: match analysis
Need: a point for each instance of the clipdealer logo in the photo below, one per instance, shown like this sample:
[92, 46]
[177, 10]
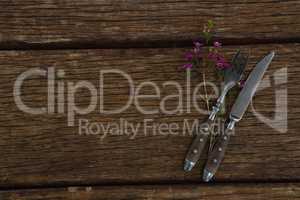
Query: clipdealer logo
[187, 98]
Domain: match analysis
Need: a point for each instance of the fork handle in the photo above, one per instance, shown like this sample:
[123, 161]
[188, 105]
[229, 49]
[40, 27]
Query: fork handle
[197, 146]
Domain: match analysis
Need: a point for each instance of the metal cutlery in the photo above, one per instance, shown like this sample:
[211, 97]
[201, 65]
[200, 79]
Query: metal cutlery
[238, 109]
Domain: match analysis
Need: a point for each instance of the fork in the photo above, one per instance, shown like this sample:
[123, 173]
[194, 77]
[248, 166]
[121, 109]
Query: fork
[231, 77]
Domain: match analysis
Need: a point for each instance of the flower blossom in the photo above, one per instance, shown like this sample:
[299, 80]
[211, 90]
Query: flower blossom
[198, 44]
[219, 60]
[189, 56]
[217, 44]
[197, 49]
[242, 83]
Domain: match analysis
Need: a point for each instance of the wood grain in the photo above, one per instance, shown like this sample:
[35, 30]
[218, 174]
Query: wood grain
[42, 150]
[43, 22]
[151, 192]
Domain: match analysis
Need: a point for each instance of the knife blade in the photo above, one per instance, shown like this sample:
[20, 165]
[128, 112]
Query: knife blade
[245, 96]
[238, 109]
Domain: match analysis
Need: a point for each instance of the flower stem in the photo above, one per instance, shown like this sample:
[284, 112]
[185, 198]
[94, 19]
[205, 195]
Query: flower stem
[211, 140]
[205, 91]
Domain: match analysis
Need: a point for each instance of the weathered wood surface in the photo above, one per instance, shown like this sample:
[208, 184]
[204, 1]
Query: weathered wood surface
[154, 192]
[43, 150]
[106, 21]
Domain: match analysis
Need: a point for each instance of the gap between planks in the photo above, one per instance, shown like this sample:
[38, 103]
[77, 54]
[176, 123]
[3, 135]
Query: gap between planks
[22, 46]
[148, 192]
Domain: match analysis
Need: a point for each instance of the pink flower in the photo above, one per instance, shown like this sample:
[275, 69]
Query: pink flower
[219, 60]
[198, 45]
[187, 66]
[217, 44]
[226, 65]
[189, 56]
[223, 65]
[242, 83]
[220, 65]
[197, 48]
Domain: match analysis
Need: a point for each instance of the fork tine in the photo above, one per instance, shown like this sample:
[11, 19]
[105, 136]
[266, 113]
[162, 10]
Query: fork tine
[237, 54]
[242, 62]
[234, 73]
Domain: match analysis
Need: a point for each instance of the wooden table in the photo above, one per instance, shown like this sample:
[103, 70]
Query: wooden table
[44, 158]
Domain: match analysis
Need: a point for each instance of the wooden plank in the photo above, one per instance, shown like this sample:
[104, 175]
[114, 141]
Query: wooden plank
[192, 192]
[102, 22]
[43, 150]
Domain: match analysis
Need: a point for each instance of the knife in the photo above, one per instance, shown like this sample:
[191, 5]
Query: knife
[238, 109]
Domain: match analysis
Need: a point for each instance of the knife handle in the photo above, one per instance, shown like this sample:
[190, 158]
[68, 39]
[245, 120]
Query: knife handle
[216, 156]
[197, 146]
